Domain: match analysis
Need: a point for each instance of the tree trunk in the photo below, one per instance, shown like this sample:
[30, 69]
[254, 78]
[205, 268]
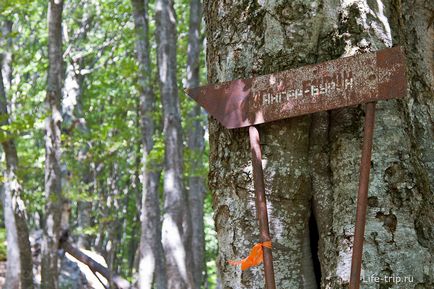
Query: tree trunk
[151, 256]
[53, 188]
[20, 264]
[13, 269]
[6, 63]
[314, 160]
[13, 253]
[114, 208]
[195, 139]
[12, 191]
[176, 220]
[73, 116]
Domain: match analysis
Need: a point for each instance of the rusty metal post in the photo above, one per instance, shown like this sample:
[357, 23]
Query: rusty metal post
[261, 205]
[362, 196]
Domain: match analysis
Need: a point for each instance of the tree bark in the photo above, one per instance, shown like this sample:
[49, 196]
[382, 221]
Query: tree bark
[20, 264]
[6, 63]
[73, 116]
[316, 158]
[53, 188]
[176, 219]
[195, 140]
[13, 253]
[12, 192]
[114, 206]
[13, 269]
[151, 255]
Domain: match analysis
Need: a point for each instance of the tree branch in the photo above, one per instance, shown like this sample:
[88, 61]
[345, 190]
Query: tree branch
[94, 266]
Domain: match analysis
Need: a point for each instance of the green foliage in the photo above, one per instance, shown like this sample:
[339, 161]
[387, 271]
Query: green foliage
[211, 246]
[3, 249]
[101, 151]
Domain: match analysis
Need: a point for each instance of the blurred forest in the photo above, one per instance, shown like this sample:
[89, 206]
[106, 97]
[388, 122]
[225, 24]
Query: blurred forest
[102, 151]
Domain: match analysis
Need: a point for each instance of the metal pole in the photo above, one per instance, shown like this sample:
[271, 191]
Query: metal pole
[362, 199]
[261, 206]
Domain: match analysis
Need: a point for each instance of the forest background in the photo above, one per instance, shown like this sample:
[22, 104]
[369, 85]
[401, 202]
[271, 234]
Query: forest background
[112, 133]
[102, 150]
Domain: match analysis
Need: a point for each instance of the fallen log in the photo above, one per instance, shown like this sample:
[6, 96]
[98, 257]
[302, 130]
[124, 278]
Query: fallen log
[118, 281]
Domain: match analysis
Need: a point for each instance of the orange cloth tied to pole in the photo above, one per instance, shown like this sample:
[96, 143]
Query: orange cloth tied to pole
[255, 257]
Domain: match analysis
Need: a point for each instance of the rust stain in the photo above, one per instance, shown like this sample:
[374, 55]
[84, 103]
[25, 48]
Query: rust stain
[261, 205]
[362, 196]
[329, 85]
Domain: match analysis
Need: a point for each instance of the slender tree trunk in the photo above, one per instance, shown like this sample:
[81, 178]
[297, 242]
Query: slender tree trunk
[20, 273]
[151, 256]
[316, 158]
[195, 138]
[113, 208]
[13, 191]
[176, 220]
[6, 62]
[53, 188]
[134, 246]
[101, 207]
[13, 253]
[73, 116]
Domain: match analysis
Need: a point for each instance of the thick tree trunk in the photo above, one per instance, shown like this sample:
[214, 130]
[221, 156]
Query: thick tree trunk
[151, 256]
[176, 216]
[316, 158]
[195, 134]
[20, 264]
[256, 47]
[53, 188]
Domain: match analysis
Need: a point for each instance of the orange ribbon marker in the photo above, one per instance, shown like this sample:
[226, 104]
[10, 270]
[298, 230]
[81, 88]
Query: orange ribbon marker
[255, 257]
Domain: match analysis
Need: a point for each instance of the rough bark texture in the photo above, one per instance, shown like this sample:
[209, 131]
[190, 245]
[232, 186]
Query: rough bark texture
[316, 158]
[196, 184]
[151, 256]
[176, 227]
[53, 188]
[19, 274]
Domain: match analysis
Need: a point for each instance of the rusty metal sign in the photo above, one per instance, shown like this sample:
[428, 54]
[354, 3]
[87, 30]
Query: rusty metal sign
[344, 82]
[329, 85]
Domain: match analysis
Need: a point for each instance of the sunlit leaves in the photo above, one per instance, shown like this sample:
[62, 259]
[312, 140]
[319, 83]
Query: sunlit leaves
[99, 41]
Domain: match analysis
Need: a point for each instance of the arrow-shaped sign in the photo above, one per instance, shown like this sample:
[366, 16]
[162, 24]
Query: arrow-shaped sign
[338, 83]
[364, 78]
